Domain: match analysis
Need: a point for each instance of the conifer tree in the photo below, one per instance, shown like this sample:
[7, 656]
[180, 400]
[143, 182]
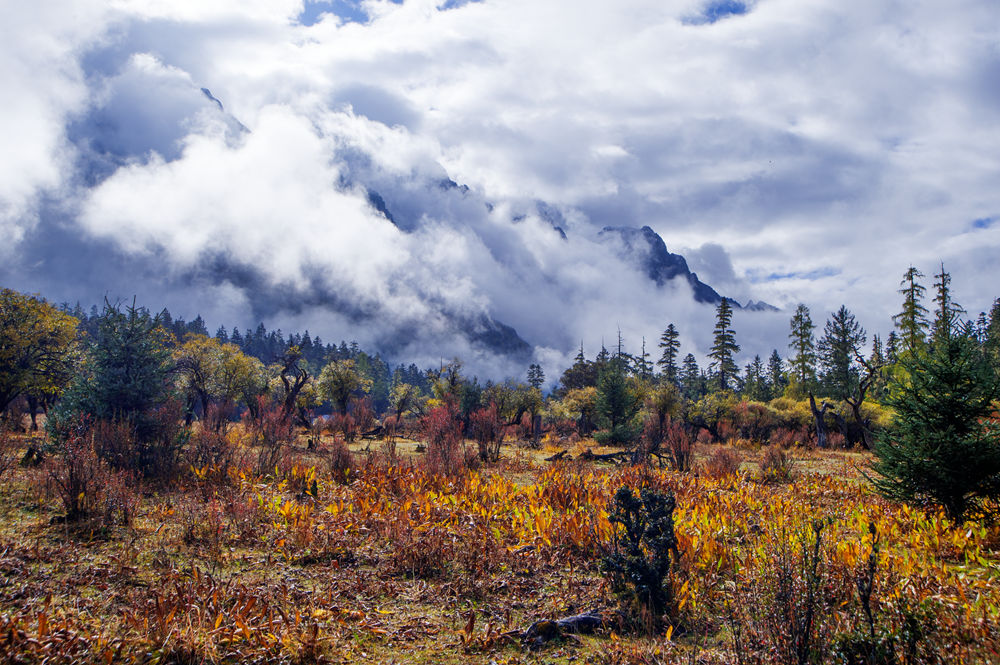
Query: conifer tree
[618, 404]
[670, 343]
[776, 380]
[842, 339]
[643, 365]
[912, 321]
[947, 311]
[892, 347]
[803, 345]
[536, 377]
[690, 376]
[943, 448]
[724, 346]
[755, 381]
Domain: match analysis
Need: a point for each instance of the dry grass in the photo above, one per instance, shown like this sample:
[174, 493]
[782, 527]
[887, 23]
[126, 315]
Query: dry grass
[389, 566]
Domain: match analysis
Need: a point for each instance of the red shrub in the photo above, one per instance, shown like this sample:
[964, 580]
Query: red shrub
[345, 425]
[364, 415]
[442, 431]
[487, 429]
[270, 431]
[723, 462]
[678, 446]
[85, 484]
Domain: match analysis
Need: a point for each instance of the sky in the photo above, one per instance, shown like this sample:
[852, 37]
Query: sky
[220, 157]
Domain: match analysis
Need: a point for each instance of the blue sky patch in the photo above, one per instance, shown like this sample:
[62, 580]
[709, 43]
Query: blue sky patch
[983, 222]
[455, 4]
[349, 11]
[811, 275]
[718, 10]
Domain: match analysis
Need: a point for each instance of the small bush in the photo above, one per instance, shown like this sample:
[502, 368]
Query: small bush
[643, 551]
[679, 447]
[421, 552]
[487, 430]
[270, 431]
[341, 462]
[345, 425]
[446, 453]
[86, 485]
[788, 438]
[724, 463]
[776, 466]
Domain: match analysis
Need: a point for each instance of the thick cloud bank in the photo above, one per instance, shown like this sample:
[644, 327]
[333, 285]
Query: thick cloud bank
[420, 175]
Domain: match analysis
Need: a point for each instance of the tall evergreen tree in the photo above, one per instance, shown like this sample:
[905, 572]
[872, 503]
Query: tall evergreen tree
[671, 344]
[618, 405]
[755, 380]
[724, 346]
[892, 347]
[690, 377]
[536, 377]
[841, 342]
[776, 380]
[643, 365]
[946, 311]
[803, 345]
[943, 448]
[912, 321]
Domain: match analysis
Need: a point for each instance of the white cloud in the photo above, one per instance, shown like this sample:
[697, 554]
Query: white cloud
[827, 144]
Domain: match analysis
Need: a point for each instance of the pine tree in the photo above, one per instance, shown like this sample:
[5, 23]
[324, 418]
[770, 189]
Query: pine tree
[947, 311]
[803, 363]
[842, 339]
[755, 382]
[892, 347]
[536, 377]
[912, 321]
[943, 448]
[690, 377]
[670, 343]
[618, 405]
[724, 346]
[643, 365]
[776, 380]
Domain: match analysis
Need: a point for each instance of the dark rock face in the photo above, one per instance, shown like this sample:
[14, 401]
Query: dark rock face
[760, 306]
[645, 247]
[488, 333]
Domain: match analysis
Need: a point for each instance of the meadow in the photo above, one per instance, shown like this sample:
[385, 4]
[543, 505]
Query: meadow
[367, 553]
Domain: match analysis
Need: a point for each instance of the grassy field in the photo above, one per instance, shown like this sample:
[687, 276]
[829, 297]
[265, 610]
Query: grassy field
[390, 563]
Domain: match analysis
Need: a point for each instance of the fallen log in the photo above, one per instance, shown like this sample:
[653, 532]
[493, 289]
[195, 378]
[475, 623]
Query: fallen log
[589, 454]
[546, 630]
[558, 456]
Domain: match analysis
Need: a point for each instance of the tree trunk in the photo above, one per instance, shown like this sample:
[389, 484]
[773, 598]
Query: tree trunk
[818, 414]
[33, 412]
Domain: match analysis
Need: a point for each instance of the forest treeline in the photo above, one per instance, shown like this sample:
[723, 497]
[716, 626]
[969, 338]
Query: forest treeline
[837, 387]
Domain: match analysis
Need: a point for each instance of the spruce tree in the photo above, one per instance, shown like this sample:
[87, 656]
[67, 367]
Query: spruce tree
[536, 377]
[943, 448]
[643, 365]
[946, 311]
[776, 381]
[755, 382]
[724, 346]
[842, 339]
[670, 343]
[912, 321]
[618, 405]
[803, 345]
[690, 377]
